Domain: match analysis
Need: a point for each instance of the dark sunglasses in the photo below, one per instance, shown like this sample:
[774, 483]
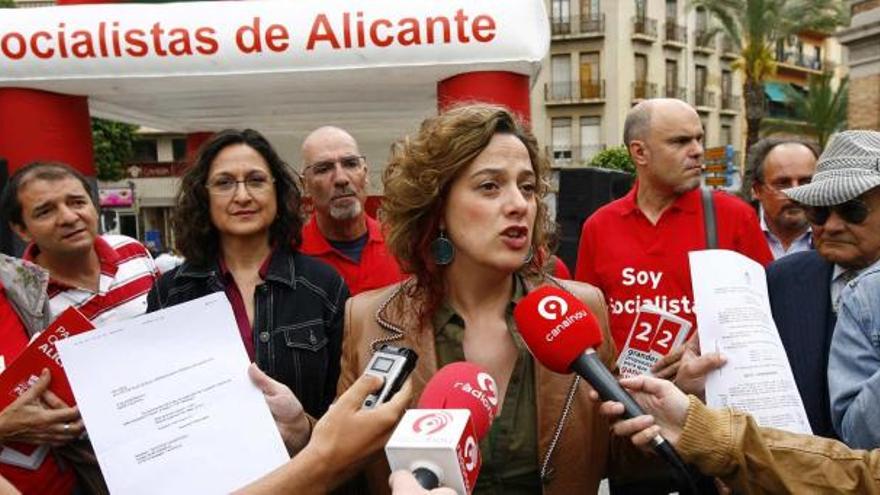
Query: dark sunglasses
[854, 211]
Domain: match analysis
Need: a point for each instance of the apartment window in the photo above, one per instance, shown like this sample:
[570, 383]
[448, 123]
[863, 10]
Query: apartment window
[726, 82]
[640, 86]
[780, 50]
[560, 10]
[590, 8]
[641, 61]
[672, 79]
[702, 20]
[700, 79]
[144, 150]
[705, 124]
[560, 67]
[671, 10]
[591, 136]
[641, 9]
[726, 134]
[589, 75]
[561, 139]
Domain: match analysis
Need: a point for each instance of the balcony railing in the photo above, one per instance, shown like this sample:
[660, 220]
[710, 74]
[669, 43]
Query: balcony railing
[703, 98]
[728, 46]
[642, 90]
[568, 156]
[571, 91]
[644, 26]
[679, 92]
[729, 102]
[675, 33]
[800, 60]
[578, 25]
[704, 39]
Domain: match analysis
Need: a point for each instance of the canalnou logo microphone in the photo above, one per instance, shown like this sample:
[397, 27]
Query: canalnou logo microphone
[431, 423]
[552, 308]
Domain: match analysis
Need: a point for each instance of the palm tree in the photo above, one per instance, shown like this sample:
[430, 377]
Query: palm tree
[755, 26]
[819, 113]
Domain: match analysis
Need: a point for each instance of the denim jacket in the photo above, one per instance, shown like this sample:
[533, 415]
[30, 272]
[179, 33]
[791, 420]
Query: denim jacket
[298, 312]
[854, 363]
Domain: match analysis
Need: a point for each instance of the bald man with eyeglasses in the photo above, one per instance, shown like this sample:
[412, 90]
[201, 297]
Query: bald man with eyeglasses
[340, 232]
[842, 205]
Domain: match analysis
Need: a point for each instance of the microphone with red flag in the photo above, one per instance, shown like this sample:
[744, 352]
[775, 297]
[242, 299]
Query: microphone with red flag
[439, 442]
[562, 333]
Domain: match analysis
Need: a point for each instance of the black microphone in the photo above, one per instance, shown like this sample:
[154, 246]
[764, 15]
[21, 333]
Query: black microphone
[561, 333]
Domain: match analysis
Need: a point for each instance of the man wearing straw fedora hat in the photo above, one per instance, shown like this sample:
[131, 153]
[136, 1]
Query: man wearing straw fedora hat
[807, 293]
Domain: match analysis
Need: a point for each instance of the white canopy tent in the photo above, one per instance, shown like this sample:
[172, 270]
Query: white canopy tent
[371, 67]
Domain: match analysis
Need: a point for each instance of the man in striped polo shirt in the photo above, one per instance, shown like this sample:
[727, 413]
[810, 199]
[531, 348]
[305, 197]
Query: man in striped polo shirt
[107, 278]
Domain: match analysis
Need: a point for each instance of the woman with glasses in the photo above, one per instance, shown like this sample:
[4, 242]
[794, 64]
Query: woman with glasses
[464, 215]
[237, 223]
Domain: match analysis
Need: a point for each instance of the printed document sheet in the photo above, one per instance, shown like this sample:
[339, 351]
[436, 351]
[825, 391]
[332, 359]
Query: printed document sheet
[734, 318]
[168, 404]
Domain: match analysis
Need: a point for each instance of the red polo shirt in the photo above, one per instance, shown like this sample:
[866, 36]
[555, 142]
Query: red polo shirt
[634, 261]
[377, 267]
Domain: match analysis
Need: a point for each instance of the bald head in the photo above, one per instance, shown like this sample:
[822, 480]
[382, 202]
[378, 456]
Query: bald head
[336, 178]
[324, 138]
[638, 120]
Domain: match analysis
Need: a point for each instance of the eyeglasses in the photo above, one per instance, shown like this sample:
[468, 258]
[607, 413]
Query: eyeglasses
[226, 186]
[854, 211]
[351, 162]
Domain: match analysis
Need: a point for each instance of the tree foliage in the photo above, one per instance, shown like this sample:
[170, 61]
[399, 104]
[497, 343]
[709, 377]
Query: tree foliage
[755, 26]
[819, 113]
[7, 4]
[112, 143]
[614, 158]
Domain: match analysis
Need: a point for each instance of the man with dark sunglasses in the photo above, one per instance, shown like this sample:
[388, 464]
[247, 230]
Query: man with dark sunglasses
[340, 233]
[842, 204]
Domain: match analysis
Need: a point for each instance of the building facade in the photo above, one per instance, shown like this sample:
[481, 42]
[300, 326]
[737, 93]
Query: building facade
[607, 55]
[862, 40]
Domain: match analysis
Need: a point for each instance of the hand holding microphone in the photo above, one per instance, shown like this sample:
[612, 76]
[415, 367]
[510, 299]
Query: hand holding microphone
[562, 334]
[439, 442]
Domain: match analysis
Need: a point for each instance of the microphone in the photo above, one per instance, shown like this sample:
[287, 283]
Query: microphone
[439, 441]
[562, 333]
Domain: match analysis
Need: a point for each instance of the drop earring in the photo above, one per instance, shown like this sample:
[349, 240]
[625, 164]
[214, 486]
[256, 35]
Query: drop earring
[442, 249]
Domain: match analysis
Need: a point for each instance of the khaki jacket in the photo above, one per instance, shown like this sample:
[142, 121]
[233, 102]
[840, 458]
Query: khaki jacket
[754, 460]
[573, 439]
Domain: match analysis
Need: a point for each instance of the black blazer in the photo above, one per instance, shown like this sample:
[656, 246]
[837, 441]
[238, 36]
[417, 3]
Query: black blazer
[800, 298]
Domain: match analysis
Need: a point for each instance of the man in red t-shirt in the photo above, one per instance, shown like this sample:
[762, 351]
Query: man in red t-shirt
[635, 249]
[340, 233]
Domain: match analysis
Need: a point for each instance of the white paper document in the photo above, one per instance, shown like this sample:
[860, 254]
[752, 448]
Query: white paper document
[167, 402]
[734, 318]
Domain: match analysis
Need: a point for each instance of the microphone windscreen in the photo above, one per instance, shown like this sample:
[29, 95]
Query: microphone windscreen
[556, 326]
[463, 385]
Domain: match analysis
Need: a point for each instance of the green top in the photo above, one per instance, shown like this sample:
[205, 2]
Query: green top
[510, 449]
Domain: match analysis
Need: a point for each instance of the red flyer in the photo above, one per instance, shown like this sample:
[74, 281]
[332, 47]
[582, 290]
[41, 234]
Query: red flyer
[18, 376]
[653, 335]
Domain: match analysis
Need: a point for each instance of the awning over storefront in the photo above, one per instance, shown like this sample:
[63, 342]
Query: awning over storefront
[776, 91]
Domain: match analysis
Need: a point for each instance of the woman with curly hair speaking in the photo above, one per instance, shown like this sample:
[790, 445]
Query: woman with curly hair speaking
[237, 211]
[465, 218]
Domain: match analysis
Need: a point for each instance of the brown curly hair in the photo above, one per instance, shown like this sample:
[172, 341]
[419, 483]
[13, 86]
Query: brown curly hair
[418, 177]
[196, 237]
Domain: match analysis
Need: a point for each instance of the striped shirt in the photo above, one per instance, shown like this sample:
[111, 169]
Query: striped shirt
[127, 274]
